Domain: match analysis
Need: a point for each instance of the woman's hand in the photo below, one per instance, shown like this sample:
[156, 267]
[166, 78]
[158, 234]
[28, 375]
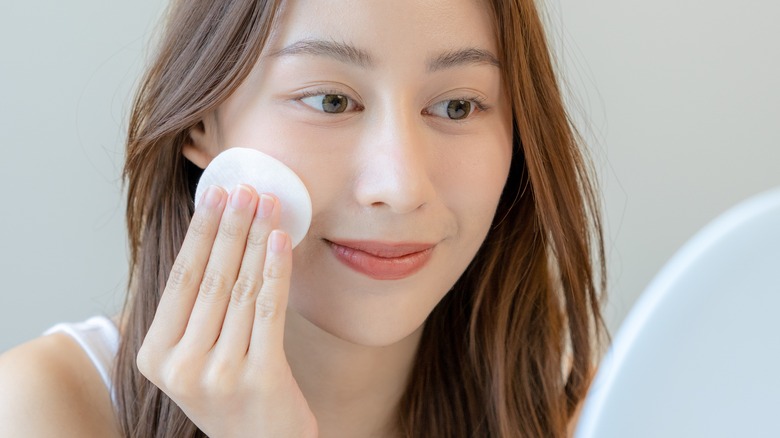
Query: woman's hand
[215, 345]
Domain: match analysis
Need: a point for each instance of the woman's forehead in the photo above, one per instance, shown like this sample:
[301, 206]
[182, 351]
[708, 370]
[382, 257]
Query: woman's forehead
[379, 32]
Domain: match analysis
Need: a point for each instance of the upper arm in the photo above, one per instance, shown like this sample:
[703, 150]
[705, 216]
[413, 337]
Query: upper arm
[42, 396]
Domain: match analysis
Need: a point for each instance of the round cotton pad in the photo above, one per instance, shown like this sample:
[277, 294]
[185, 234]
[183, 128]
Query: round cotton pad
[267, 175]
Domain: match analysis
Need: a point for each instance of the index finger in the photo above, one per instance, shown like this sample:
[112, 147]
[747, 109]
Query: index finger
[181, 288]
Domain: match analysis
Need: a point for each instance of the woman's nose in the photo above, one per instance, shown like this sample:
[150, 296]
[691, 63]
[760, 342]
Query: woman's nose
[394, 165]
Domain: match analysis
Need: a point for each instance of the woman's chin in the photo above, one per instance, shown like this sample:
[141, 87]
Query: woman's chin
[360, 328]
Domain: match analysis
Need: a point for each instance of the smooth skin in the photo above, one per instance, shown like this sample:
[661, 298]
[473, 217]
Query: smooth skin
[253, 339]
[217, 346]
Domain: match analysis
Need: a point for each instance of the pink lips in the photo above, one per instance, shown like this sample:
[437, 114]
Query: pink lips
[382, 261]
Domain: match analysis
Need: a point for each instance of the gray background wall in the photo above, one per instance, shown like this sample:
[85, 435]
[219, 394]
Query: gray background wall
[679, 99]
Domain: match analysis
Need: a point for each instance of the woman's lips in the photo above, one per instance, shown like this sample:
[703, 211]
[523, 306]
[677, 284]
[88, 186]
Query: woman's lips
[382, 261]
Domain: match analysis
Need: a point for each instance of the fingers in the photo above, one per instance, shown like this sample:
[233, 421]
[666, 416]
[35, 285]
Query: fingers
[220, 275]
[178, 298]
[266, 342]
[237, 327]
[229, 285]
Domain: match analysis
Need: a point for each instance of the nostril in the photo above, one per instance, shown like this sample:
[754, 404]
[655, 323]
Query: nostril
[398, 198]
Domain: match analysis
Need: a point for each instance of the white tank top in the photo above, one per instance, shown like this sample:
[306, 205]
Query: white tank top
[99, 337]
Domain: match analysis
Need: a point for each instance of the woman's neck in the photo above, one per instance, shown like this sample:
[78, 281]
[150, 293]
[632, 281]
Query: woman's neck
[353, 390]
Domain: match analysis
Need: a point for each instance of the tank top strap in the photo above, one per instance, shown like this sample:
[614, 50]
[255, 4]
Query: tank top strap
[98, 336]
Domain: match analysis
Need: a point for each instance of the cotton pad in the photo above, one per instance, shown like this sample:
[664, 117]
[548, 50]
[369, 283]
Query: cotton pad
[266, 174]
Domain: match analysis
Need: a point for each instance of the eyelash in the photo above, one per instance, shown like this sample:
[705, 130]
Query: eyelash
[323, 92]
[478, 101]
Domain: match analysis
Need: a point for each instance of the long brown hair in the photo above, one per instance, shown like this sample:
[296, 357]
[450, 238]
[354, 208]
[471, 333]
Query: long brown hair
[509, 351]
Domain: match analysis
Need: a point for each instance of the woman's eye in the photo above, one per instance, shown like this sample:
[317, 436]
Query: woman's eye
[329, 103]
[453, 109]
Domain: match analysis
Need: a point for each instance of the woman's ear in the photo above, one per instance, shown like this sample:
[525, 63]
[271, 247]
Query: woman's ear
[201, 145]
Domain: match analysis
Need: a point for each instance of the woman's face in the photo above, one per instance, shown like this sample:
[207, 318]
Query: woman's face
[394, 116]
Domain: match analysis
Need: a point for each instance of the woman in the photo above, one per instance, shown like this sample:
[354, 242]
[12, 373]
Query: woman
[446, 286]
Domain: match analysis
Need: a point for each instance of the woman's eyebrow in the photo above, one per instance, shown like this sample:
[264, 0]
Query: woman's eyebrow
[350, 54]
[332, 49]
[460, 57]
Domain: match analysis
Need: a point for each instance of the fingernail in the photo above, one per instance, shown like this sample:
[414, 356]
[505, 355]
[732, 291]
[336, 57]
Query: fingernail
[278, 241]
[211, 197]
[240, 197]
[266, 206]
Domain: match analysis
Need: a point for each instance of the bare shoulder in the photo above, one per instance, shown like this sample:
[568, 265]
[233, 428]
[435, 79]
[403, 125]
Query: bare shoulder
[50, 388]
